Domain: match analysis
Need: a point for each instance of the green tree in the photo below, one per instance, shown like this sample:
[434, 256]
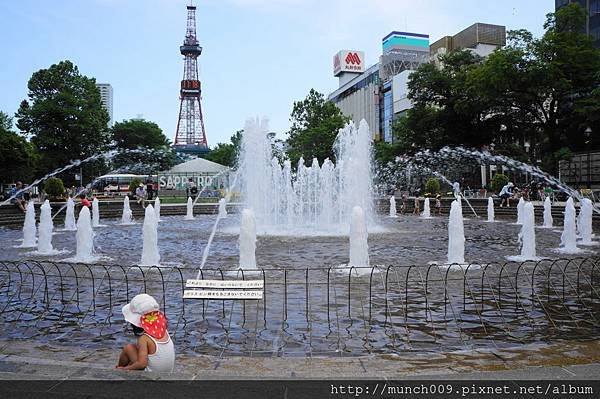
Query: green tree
[226, 153]
[142, 146]
[315, 125]
[63, 116]
[54, 187]
[498, 181]
[17, 156]
[432, 186]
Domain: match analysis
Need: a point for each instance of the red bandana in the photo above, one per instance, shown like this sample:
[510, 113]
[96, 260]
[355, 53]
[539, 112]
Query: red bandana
[155, 324]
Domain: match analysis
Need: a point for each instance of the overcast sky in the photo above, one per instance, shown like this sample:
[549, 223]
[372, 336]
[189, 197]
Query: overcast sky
[259, 55]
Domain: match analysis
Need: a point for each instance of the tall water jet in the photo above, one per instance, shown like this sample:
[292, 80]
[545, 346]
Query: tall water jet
[548, 220]
[585, 222]
[95, 213]
[157, 208]
[29, 229]
[70, 216]
[520, 210]
[426, 209]
[490, 210]
[190, 209]
[359, 247]
[150, 254]
[247, 240]
[527, 235]
[320, 198]
[45, 230]
[456, 235]
[393, 207]
[127, 217]
[568, 238]
[84, 237]
[222, 208]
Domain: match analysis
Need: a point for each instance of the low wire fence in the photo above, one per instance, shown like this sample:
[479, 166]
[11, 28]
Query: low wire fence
[311, 311]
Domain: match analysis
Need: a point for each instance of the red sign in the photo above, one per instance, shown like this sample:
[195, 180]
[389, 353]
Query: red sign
[353, 58]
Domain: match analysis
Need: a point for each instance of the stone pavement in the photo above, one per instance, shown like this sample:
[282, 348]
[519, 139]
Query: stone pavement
[566, 360]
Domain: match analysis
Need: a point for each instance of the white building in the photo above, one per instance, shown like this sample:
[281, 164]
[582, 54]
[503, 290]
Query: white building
[106, 95]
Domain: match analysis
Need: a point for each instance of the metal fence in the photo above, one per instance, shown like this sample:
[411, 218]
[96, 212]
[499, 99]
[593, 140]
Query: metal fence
[311, 311]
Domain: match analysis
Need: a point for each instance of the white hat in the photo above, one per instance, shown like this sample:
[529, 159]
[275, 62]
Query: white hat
[139, 306]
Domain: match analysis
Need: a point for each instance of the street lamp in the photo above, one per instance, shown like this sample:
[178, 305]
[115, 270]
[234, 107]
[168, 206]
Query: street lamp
[588, 135]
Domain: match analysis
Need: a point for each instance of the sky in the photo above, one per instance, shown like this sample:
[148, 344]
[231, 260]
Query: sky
[259, 56]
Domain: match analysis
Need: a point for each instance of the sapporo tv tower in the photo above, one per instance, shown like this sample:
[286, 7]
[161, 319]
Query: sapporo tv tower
[190, 136]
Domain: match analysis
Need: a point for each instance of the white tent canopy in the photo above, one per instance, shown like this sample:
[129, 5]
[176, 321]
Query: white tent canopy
[198, 165]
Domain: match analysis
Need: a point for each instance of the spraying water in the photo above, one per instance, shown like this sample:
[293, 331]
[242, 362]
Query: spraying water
[393, 207]
[157, 208]
[585, 222]
[520, 206]
[190, 209]
[248, 240]
[320, 198]
[84, 237]
[426, 210]
[127, 217]
[29, 229]
[548, 220]
[490, 210]
[95, 213]
[527, 236]
[456, 235]
[568, 239]
[359, 247]
[45, 230]
[222, 208]
[150, 254]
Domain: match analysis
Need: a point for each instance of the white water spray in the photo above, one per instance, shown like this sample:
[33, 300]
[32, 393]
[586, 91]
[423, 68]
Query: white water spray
[585, 222]
[222, 208]
[150, 254]
[490, 210]
[84, 237]
[95, 212]
[127, 217]
[520, 210]
[456, 235]
[70, 216]
[29, 229]
[426, 209]
[157, 208]
[190, 209]
[45, 230]
[568, 239]
[359, 247]
[393, 207]
[247, 240]
[527, 235]
[548, 220]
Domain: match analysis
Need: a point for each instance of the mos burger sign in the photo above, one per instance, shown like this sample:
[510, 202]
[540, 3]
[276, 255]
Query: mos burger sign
[348, 61]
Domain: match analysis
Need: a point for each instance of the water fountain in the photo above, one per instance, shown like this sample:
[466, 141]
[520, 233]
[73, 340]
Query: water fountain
[85, 238]
[426, 210]
[585, 222]
[222, 208]
[95, 212]
[29, 229]
[393, 207]
[45, 231]
[127, 217]
[359, 247]
[548, 221]
[527, 236]
[490, 210]
[190, 209]
[456, 235]
[157, 208]
[520, 206]
[320, 199]
[70, 216]
[568, 239]
[150, 254]
[247, 240]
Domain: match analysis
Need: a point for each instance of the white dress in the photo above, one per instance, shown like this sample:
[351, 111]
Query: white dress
[163, 360]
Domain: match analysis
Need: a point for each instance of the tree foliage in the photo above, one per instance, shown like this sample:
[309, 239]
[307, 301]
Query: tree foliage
[142, 146]
[432, 186]
[63, 116]
[315, 125]
[17, 156]
[498, 181]
[226, 153]
[54, 187]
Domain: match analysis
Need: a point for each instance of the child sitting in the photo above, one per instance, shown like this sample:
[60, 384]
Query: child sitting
[154, 350]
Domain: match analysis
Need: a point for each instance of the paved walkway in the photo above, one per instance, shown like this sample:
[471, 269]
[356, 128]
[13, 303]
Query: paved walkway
[567, 360]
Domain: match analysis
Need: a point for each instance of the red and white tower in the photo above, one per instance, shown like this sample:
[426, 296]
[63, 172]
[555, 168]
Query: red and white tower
[190, 135]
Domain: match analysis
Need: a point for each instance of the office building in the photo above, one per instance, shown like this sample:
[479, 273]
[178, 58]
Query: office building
[481, 39]
[106, 96]
[592, 24]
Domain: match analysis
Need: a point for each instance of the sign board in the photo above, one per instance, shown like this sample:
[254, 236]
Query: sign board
[226, 294]
[348, 61]
[256, 284]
